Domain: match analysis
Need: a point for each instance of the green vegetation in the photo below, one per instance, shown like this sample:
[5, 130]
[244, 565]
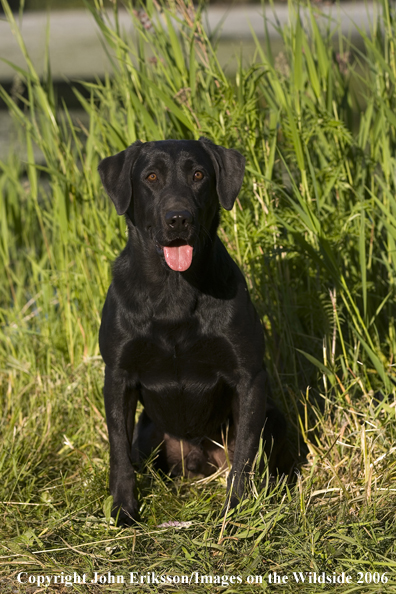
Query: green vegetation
[314, 230]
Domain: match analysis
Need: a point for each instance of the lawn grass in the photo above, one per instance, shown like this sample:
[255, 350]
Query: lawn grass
[314, 231]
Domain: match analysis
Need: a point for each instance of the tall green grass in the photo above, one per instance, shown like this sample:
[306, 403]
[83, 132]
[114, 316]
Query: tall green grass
[314, 231]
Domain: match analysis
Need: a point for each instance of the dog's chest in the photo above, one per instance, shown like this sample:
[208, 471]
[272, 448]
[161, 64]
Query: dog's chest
[167, 360]
[170, 356]
[186, 378]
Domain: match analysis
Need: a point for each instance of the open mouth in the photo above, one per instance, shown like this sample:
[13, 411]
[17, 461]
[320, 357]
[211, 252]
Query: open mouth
[178, 254]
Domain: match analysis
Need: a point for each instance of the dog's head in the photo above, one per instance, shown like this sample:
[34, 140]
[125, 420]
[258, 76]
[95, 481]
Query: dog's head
[171, 191]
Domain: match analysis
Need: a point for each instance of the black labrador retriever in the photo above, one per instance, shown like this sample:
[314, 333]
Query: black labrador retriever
[179, 332]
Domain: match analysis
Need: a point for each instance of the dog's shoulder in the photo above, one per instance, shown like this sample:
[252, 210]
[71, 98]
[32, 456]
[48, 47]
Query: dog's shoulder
[110, 331]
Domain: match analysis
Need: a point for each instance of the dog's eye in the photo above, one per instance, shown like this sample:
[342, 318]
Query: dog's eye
[198, 175]
[152, 177]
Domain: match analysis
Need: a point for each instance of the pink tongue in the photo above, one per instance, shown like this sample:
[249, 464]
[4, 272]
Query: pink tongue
[178, 258]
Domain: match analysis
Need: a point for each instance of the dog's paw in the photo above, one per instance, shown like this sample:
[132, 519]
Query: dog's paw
[230, 504]
[125, 516]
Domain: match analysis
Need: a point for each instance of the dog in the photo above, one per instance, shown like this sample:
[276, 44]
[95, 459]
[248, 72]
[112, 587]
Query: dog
[179, 333]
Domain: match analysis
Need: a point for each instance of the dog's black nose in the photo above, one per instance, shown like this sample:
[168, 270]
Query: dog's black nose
[178, 219]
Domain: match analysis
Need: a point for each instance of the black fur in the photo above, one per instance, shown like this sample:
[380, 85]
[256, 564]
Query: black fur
[188, 345]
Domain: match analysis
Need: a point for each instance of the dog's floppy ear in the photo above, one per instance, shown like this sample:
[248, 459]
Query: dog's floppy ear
[229, 167]
[115, 173]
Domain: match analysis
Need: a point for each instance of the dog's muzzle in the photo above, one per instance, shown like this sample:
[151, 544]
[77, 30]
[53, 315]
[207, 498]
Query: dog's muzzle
[178, 253]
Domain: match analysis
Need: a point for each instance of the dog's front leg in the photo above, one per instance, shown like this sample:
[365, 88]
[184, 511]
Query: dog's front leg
[249, 413]
[120, 404]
